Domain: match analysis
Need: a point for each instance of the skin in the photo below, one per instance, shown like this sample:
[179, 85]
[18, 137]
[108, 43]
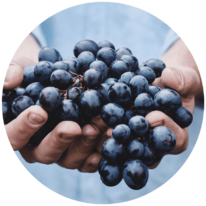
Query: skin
[70, 146]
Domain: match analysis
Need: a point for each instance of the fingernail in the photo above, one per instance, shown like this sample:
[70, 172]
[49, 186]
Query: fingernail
[178, 76]
[10, 72]
[35, 119]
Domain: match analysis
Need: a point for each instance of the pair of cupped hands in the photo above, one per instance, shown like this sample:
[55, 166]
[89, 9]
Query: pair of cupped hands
[73, 147]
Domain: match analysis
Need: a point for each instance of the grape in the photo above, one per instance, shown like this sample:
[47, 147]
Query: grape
[107, 55]
[113, 152]
[29, 76]
[84, 60]
[126, 77]
[110, 81]
[143, 104]
[67, 110]
[61, 79]
[119, 67]
[138, 125]
[182, 117]
[146, 72]
[103, 90]
[153, 90]
[132, 60]
[135, 149]
[112, 114]
[162, 138]
[74, 93]
[85, 45]
[157, 65]
[92, 78]
[119, 93]
[105, 43]
[121, 133]
[49, 54]
[123, 51]
[19, 91]
[49, 98]
[21, 103]
[90, 103]
[110, 173]
[167, 101]
[101, 67]
[72, 64]
[138, 85]
[128, 114]
[61, 65]
[135, 174]
[33, 90]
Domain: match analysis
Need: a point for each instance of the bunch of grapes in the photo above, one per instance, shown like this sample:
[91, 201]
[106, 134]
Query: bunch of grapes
[100, 80]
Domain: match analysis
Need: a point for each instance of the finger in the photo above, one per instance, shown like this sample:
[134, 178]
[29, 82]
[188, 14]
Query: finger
[157, 118]
[54, 144]
[184, 80]
[104, 137]
[14, 76]
[25, 125]
[80, 148]
[91, 163]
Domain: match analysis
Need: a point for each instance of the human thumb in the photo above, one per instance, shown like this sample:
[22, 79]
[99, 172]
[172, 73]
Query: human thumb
[184, 80]
[14, 76]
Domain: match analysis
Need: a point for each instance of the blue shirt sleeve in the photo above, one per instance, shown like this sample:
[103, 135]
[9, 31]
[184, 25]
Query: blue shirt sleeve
[39, 36]
[170, 39]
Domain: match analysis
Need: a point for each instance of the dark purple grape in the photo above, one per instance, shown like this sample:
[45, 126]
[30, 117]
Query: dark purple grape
[84, 60]
[126, 77]
[33, 90]
[19, 91]
[123, 51]
[72, 64]
[128, 114]
[120, 93]
[61, 79]
[29, 76]
[138, 85]
[132, 60]
[49, 98]
[90, 103]
[151, 156]
[143, 104]
[157, 65]
[110, 81]
[146, 72]
[183, 117]
[121, 133]
[92, 78]
[110, 173]
[49, 54]
[61, 65]
[138, 125]
[135, 174]
[21, 103]
[67, 111]
[43, 71]
[103, 90]
[107, 55]
[114, 152]
[101, 67]
[167, 101]
[162, 138]
[112, 114]
[85, 45]
[119, 67]
[105, 43]
[135, 149]
[153, 90]
[8, 116]
[74, 93]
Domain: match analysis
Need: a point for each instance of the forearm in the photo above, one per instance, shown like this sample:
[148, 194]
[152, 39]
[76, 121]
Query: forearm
[179, 55]
[28, 50]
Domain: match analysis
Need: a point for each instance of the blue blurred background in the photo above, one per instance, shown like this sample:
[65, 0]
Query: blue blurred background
[147, 37]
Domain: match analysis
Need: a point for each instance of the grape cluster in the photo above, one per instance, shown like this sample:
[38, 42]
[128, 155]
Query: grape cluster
[100, 80]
